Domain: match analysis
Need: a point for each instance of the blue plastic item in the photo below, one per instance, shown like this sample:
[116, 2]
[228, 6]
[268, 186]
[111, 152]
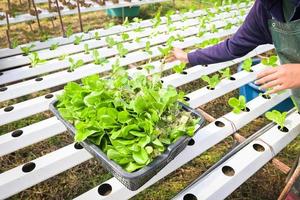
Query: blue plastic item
[128, 11]
[251, 91]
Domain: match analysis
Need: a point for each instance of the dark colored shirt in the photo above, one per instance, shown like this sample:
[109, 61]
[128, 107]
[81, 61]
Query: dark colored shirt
[252, 33]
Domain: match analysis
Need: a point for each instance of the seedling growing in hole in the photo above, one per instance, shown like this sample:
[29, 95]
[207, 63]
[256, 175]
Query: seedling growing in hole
[171, 29]
[213, 29]
[202, 22]
[14, 43]
[35, 59]
[225, 73]
[109, 25]
[138, 29]
[228, 26]
[238, 104]
[137, 20]
[271, 61]
[75, 64]
[165, 52]
[54, 46]
[86, 49]
[122, 50]
[242, 12]
[69, 31]
[62, 57]
[78, 39]
[147, 48]
[277, 117]
[26, 50]
[157, 20]
[168, 16]
[44, 36]
[209, 42]
[184, 18]
[124, 36]
[170, 41]
[200, 33]
[179, 68]
[212, 82]
[247, 64]
[97, 59]
[149, 68]
[179, 38]
[110, 42]
[97, 36]
[137, 40]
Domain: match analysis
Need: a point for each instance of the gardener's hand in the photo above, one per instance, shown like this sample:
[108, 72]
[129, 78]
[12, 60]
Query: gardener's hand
[180, 55]
[280, 78]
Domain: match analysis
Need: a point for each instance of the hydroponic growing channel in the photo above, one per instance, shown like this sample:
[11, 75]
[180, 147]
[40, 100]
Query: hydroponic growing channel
[39, 66]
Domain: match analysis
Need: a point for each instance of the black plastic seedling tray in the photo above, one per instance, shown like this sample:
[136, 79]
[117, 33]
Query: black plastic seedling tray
[134, 180]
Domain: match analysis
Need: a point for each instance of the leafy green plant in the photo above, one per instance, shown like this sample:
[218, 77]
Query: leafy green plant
[44, 36]
[122, 50]
[149, 68]
[75, 64]
[157, 19]
[27, 49]
[238, 104]
[62, 57]
[124, 36]
[277, 117]
[126, 22]
[96, 36]
[110, 42]
[147, 48]
[138, 29]
[247, 64]
[212, 82]
[209, 42]
[77, 39]
[137, 20]
[14, 43]
[213, 29]
[179, 68]
[137, 40]
[228, 26]
[179, 38]
[271, 61]
[97, 59]
[69, 31]
[54, 46]
[86, 49]
[108, 25]
[35, 59]
[131, 120]
[225, 73]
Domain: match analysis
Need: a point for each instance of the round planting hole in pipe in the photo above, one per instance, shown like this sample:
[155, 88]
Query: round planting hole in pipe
[28, 167]
[161, 81]
[17, 133]
[228, 171]
[1, 73]
[139, 68]
[104, 189]
[232, 78]
[186, 98]
[189, 196]
[191, 142]
[284, 129]
[209, 88]
[49, 96]
[184, 73]
[8, 108]
[3, 89]
[219, 124]
[205, 65]
[266, 96]
[258, 147]
[246, 109]
[39, 79]
[78, 146]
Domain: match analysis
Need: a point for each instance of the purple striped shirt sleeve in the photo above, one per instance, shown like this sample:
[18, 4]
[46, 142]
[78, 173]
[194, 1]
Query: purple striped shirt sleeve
[251, 34]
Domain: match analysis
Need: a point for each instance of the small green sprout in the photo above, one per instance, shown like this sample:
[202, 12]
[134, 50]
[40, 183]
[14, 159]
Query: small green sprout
[124, 36]
[238, 104]
[86, 49]
[277, 117]
[78, 39]
[212, 82]
[27, 49]
[110, 42]
[96, 36]
[69, 31]
[179, 68]
[75, 64]
[54, 46]
[35, 59]
[122, 50]
[271, 61]
[247, 64]
[97, 59]
[147, 48]
[225, 73]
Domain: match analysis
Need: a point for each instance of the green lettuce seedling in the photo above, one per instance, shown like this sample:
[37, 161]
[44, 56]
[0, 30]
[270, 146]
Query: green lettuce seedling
[14, 43]
[277, 117]
[271, 61]
[247, 64]
[147, 48]
[238, 104]
[110, 42]
[62, 57]
[96, 36]
[124, 36]
[35, 59]
[78, 39]
[69, 31]
[126, 22]
[26, 50]
[75, 64]
[97, 59]
[212, 82]
[179, 68]
[228, 26]
[225, 73]
[86, 49]
[213, 29]
[122, 50]
[54, 46]
[108, 25]
[149, 68]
